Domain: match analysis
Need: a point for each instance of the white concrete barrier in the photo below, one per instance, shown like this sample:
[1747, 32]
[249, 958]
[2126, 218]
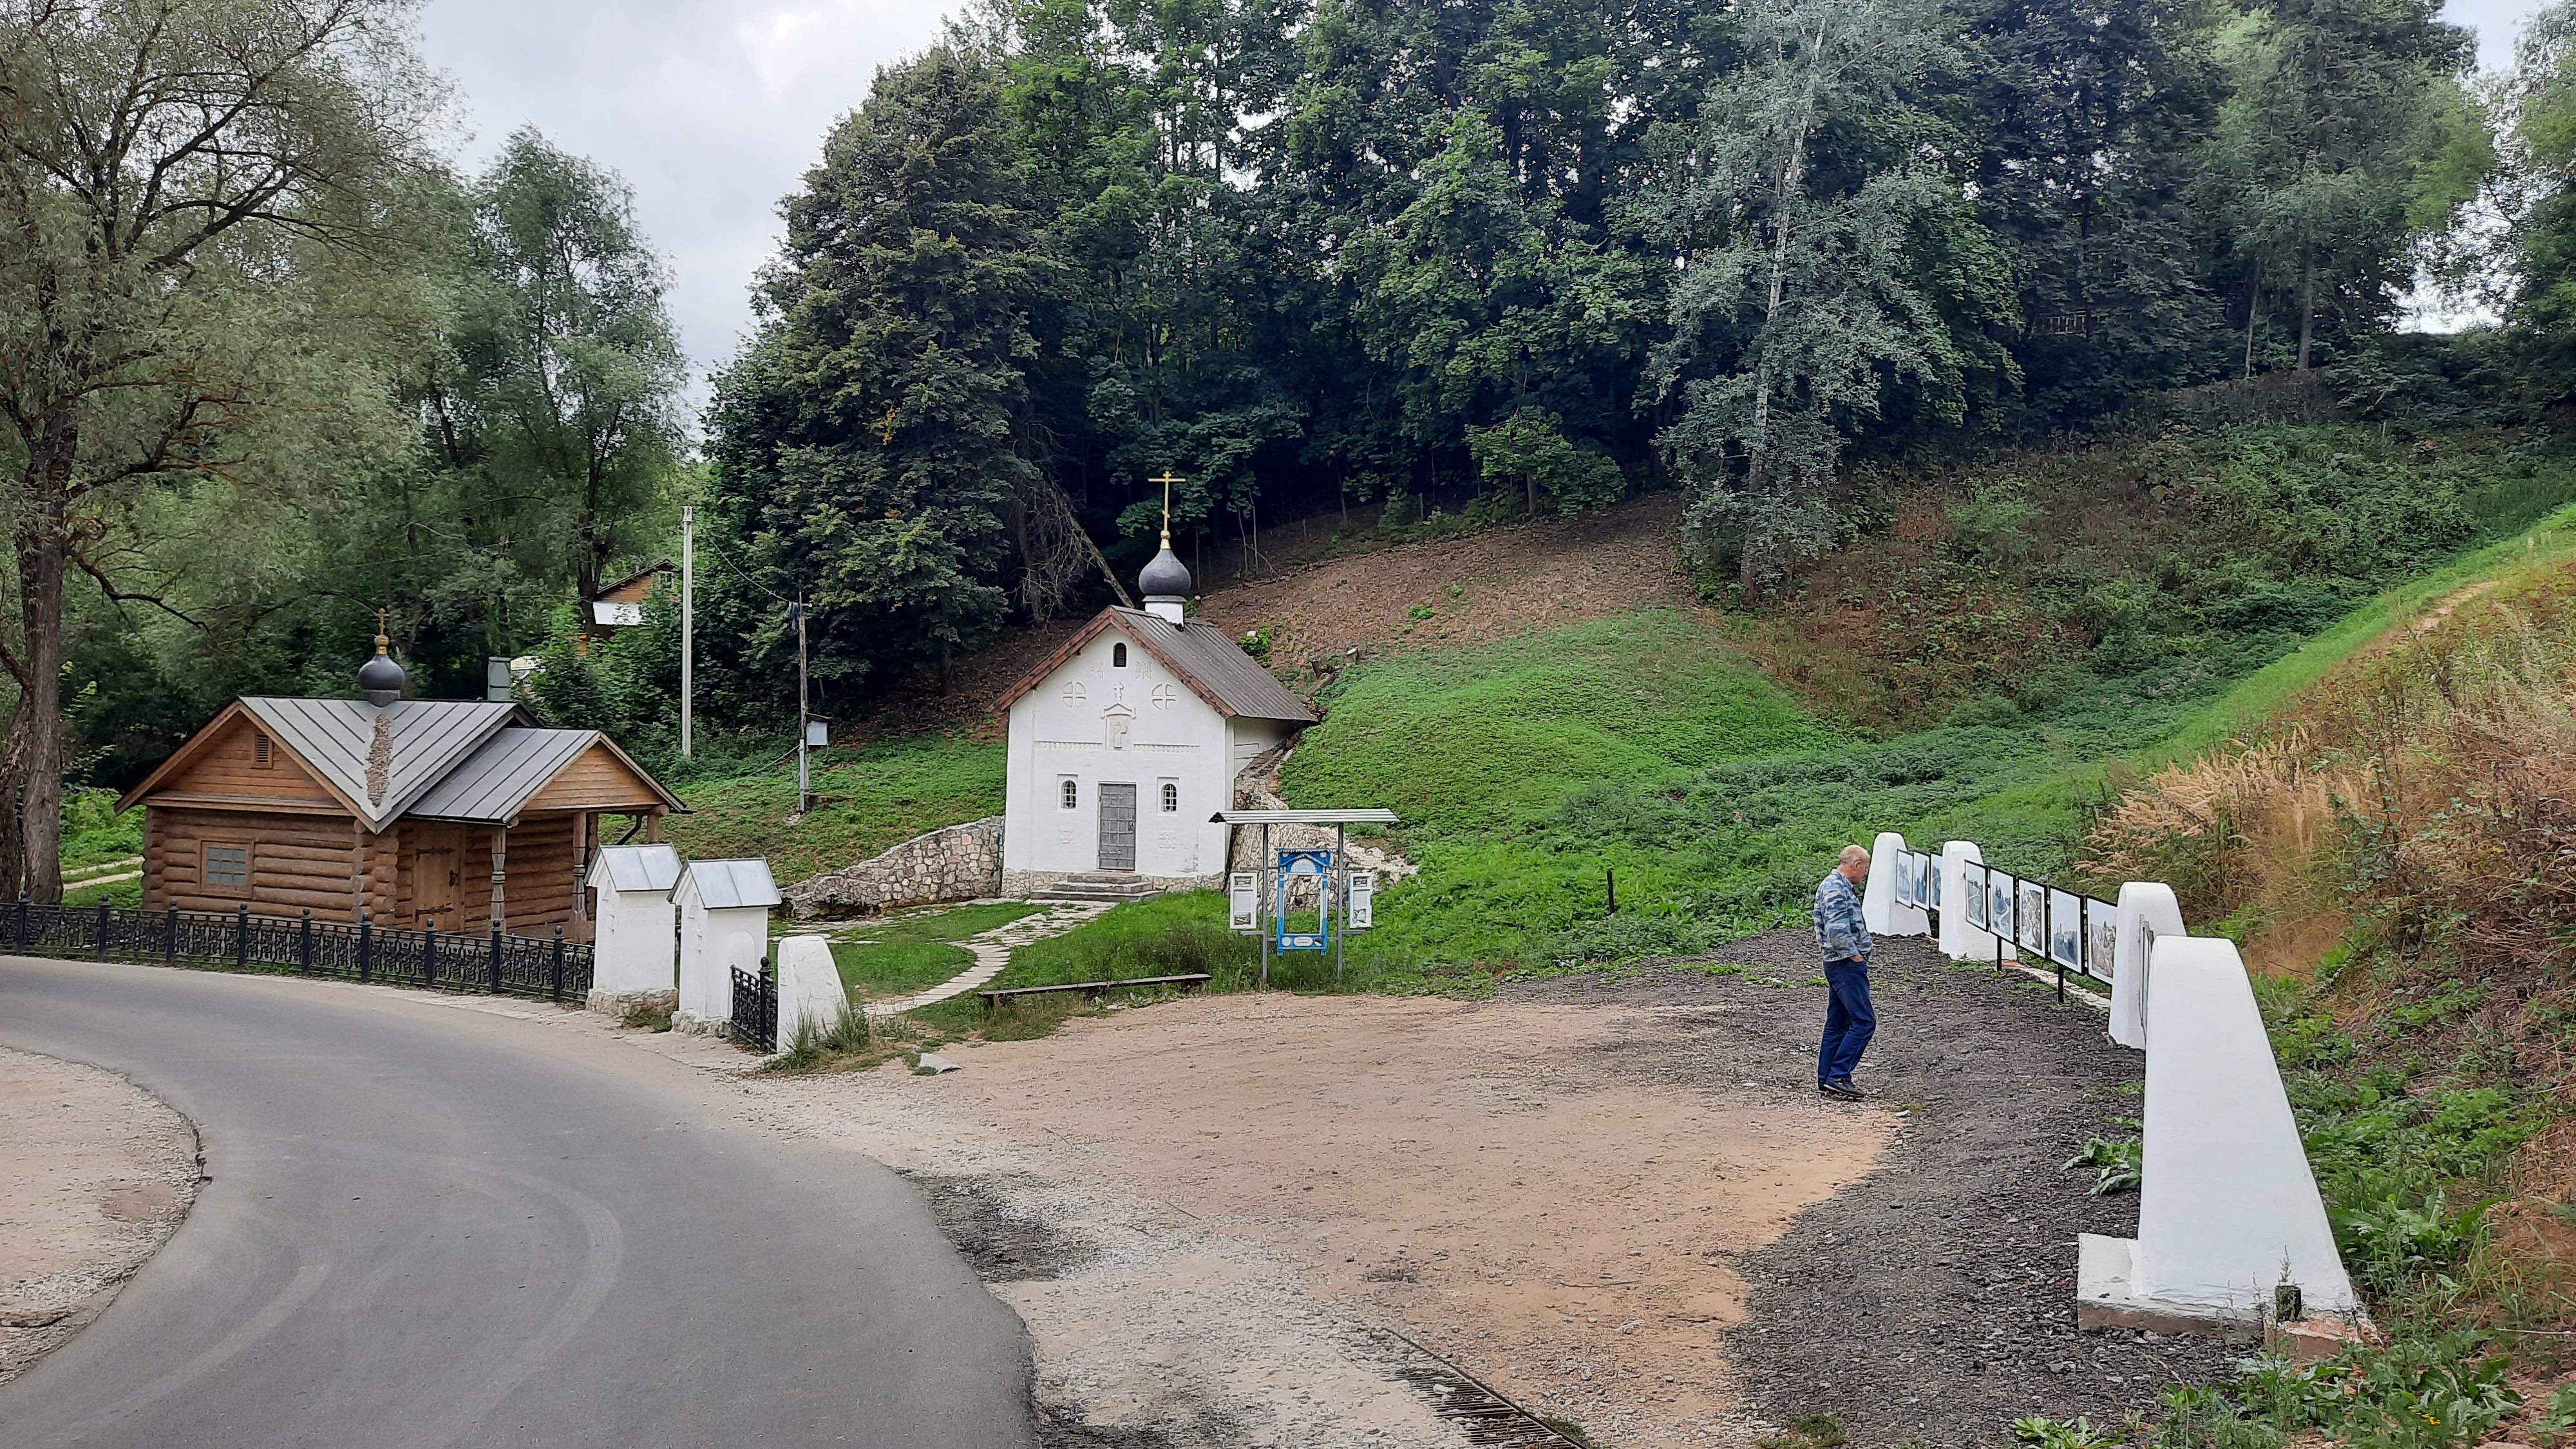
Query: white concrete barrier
[1959, 940]
[2229, 1209]
[1878, 904]
[2147, 910]
[809, 987]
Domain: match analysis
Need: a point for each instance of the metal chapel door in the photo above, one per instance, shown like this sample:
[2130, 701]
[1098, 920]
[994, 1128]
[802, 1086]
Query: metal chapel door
[1117, 827]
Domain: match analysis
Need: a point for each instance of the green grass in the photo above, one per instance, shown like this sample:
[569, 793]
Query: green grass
[93, 832]
[1168, 935]
[872, 798]
[128, 893]
[909, 953]
[1522, 723]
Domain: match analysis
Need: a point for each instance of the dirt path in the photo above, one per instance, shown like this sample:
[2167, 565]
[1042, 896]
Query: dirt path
[95, 1174]
[1936, 1300]
[1204, 1209]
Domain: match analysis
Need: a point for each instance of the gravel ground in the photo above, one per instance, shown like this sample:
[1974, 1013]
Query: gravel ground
[1933, 1300]
[95, 1174]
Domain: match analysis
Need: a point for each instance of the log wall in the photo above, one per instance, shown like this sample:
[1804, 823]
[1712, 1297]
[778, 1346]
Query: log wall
[334, 866]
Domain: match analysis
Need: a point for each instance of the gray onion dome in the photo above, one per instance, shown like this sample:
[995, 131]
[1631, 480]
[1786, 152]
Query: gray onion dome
[380, 679]
[1164, 578]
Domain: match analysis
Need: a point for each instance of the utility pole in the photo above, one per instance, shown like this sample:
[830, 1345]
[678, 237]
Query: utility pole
[804, 775]
[688, 617]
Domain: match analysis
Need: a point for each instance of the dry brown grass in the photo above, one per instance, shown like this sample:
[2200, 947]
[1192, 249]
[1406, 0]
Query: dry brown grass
[2421, 799]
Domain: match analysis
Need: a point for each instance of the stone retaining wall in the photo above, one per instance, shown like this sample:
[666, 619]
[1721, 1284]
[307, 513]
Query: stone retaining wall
[959, 863]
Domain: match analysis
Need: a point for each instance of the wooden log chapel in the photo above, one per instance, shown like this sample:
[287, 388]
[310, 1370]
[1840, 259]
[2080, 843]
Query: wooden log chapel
[463, 814]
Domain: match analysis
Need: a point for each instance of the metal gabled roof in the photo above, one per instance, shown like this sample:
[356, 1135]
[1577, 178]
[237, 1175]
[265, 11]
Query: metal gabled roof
[1204, 656]
[636, 868]
[1210, 660]
[727, 885]
[491, 784]
[430, 737]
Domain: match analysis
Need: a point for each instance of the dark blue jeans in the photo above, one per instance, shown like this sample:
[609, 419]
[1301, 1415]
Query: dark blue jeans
[1849, 1022]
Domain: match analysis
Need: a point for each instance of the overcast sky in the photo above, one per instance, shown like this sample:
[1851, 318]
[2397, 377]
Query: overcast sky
[712, 111]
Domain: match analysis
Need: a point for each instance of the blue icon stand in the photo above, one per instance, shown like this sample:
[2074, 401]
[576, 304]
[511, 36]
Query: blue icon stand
[1316, 865]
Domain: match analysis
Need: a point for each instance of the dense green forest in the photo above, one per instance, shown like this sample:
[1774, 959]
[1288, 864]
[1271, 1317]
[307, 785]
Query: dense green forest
[275, 361]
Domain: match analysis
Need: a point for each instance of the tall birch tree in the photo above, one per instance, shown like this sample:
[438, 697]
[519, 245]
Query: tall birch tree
[1800, 213]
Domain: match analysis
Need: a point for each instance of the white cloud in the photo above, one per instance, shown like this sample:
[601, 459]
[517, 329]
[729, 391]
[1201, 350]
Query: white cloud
[711, 111]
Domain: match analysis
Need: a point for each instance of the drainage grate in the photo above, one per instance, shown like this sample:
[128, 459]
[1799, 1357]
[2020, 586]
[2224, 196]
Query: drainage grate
[1470, 1402]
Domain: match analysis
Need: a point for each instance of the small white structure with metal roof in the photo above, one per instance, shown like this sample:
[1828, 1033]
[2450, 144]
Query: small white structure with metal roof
[1129, 738]
[724, 910]
[638, 934]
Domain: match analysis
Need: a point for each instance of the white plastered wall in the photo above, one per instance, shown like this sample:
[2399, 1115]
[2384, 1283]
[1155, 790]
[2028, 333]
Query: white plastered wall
[636, 946]
[713, 945]
[1062, 729]
[2147, 910]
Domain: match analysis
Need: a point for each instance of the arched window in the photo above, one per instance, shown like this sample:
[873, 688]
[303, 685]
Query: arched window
[1171, 798]
[1072, 794]
[1117, 656]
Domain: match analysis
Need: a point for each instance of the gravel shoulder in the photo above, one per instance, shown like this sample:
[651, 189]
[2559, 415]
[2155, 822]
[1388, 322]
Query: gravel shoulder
[1251, 1220]
[1934, 1299]
[95, 1175]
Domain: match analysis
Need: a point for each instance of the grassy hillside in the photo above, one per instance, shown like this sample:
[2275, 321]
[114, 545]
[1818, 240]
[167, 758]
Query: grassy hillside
[874, 796]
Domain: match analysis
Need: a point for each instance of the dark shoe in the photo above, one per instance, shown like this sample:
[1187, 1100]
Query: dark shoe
[1844, 1091]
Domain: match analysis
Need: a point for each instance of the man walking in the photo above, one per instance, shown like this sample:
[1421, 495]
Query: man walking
[1842, 934]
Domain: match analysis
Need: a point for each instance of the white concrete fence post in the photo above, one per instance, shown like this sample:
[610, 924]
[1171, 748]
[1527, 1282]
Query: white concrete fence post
[2229, 1210]
[809, 988]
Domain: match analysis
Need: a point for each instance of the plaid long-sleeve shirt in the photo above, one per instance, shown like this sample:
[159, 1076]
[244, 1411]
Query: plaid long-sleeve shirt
[1841, 931]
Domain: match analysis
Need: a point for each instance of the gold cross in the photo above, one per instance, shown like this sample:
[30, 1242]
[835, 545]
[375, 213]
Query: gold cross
[1167, 480]
[381, 640]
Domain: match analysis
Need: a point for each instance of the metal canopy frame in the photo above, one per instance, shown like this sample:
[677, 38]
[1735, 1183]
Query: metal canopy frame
[1335, 885]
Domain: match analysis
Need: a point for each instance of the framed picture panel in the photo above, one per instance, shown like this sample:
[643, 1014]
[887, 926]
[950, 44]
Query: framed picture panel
[1999, 903]
[2101, 937]
[2030, 918]
[1904, 880]
[1972, 891]
[1932, 881]
[2066, 928]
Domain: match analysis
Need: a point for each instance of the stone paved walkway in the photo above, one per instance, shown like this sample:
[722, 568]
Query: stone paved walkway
[993, 952]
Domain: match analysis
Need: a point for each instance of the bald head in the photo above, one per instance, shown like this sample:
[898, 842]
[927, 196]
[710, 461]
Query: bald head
[1854, 864]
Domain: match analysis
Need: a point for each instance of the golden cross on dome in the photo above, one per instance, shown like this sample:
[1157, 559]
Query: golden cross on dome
[1167, 480]
[381, 640]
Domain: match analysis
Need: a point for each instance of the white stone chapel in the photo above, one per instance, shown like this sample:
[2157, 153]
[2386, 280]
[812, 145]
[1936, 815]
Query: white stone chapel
[1128, 738]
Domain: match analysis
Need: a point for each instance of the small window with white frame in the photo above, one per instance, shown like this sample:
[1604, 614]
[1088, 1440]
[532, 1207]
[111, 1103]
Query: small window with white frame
[1171, 797]
[1068, 793]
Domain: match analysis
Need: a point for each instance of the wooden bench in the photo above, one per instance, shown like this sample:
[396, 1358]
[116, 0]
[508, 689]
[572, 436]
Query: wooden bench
[1094, 988]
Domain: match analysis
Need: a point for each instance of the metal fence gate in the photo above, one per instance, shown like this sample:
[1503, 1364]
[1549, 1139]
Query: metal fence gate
[755, 1008]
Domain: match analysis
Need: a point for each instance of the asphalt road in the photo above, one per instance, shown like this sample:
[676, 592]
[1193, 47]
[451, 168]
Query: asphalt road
[429, 1226]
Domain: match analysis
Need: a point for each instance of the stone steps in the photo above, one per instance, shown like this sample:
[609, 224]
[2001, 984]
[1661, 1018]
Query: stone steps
[1099, 886]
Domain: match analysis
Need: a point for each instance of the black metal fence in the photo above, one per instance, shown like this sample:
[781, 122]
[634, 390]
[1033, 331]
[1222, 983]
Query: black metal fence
[755, 1008]
[437, 960]
[2071, 932]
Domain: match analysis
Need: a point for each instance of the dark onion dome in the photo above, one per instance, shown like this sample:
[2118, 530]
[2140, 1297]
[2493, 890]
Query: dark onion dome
[1165, 577]
[380, 679]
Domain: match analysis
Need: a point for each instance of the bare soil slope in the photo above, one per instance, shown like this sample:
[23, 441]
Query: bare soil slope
[1446, 591]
